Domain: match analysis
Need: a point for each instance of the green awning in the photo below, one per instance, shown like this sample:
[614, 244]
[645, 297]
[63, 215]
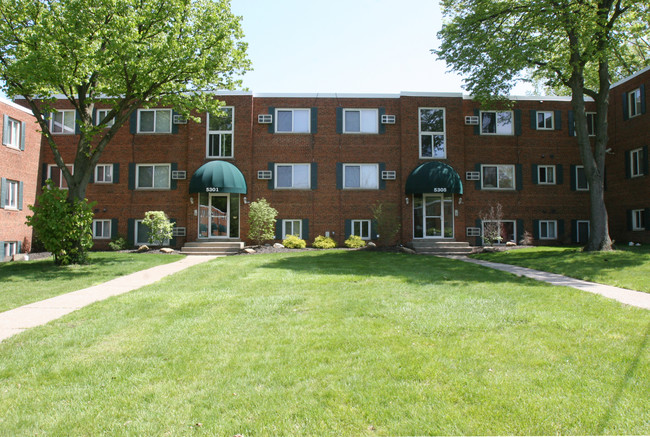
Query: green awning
[434, 177]
[218, 177]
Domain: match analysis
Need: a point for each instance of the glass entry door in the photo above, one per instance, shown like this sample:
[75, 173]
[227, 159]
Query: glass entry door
[433, 216]
[214, 216]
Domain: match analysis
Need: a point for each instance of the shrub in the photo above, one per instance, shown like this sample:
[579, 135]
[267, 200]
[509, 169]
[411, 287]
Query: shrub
[355, 242]
[118, 243]
[294, 242]
[160, 228]
[321, 242]
[261, 221]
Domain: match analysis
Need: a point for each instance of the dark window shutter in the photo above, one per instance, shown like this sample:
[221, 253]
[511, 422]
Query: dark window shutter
[628, 213]
[271, 167]
[339, 175]
[131, 175]
[373, 230]
[479, 239]
[517, 122]
[536, 229]
[574, 231]
[478, 184]
[20, 196]
[305, 229]
[646, 225]
[348, 229]
[22, 135]
[172, 241]
[77, 123]
[645, 160]
[559, 174]
[520, 230]
[626, 113]
[519, 175]
[535, 174]
[642, 88]
[571, 121]
[314, 176]
[381, 126]
[94, 117]
[314, 120]
[116, 172]
[477, 127]
[560, 229]
[574, 183]
[133, 122]
[43, 174]
[3, 188]
[130, 233]
[174, 125]
[558, 120]
[19, 247]
[92, 175]
[339, 120]
[114, 232]
[382, 183]
[533, 119]
[273, 120]
[173, 183]
[628, 164]
[278, 229]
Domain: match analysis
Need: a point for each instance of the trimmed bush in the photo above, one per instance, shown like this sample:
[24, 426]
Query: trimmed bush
[321, 242]
[354, 242]
[294, 242]
[261, 221]
[118, 244]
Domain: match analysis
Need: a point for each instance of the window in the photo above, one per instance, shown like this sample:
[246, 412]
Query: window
[296, 176]
[56, 174]
[634, 102]
[154, 121]
[10, 190]
[581, 179]
[142, 234]
[291, 227]
[546, 174]
[545, 120]
[362, 176]
[363, 121]
[101, 115]
[12, 133]
[104, 173]
[153, 176]
[498, 231]
[498, 177]
[580, 231]
[292, 120]
[496, 123]
[220, 134]
[636, 162]
[361, 228]
[547, 229]
[63, 122]
[432, 133]
[10, 248]
[638, 219]
[101, 229]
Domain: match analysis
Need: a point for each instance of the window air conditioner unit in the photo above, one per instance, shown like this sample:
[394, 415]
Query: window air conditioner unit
[387, 119]
[471, 119]
[388, 175]
[179, 119]
[473, 175]
[264, 174]
[179, 174]
[265, 118]
[473, 232]
[179, 231]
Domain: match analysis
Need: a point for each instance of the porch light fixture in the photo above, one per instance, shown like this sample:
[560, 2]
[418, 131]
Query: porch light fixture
[245, 200]
[407, 200]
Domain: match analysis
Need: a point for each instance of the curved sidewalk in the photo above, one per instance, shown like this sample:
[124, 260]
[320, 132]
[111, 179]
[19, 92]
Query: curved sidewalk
[623, 295]
[39, 313]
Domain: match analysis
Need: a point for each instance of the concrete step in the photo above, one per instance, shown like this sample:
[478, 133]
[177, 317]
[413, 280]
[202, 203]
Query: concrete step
[441, 247]
[212, 247]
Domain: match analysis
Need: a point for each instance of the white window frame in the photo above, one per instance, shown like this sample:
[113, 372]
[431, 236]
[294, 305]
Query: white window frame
[100, 115]
[153, 181]
[578, 187]
[105, 225]
[546, 172]
[636, 162]
[361, 224]
[293, 112]
[293, 224]
[10, 248]
[293, 186]
[547, 230]
[63, 129]
[496, 115]
[638, 220]
[63, 184]
[581, 222]
[362, 128]
[155, 120]
[500, 168]
[11, 194]
[547, 120]
[100, 174]
[361, 187]
[138, 223]
[222, 134]
[634, 102]
[433, 134]
[14, 128]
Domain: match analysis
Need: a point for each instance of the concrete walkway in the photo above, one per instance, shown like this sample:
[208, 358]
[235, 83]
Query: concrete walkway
[623, 295]
[39, 313]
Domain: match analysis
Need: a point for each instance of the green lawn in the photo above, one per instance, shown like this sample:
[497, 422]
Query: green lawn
[30, 281]
[628, 267]
[333, 343]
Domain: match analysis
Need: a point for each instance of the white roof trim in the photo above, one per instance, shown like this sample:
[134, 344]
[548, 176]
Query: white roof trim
[15, 106]
[326, 95]
[622, 81]
[426, 94]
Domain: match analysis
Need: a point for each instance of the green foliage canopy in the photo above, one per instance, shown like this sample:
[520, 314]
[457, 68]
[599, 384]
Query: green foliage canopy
[261, 221]
[160, 228]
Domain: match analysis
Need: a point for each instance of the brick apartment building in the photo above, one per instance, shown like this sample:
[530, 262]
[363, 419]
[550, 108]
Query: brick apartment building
[322, 160]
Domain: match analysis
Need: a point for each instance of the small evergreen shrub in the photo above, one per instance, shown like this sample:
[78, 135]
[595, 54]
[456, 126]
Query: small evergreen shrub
[321, 242]
[118, 244]
[294, 242]
[261, 221]
[354, 242]
[160, 228]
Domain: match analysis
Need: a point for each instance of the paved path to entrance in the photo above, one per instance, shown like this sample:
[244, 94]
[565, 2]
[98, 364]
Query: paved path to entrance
[39, 313]
[623, 295]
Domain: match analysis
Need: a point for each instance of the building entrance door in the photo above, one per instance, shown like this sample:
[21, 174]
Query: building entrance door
[214, 216]
[433, 216]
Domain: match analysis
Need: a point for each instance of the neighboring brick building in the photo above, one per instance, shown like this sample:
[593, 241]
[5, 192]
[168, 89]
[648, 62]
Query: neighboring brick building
[323, 160]
[19, 157]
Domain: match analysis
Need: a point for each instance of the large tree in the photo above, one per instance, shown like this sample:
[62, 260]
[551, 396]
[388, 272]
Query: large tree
[576, 45]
